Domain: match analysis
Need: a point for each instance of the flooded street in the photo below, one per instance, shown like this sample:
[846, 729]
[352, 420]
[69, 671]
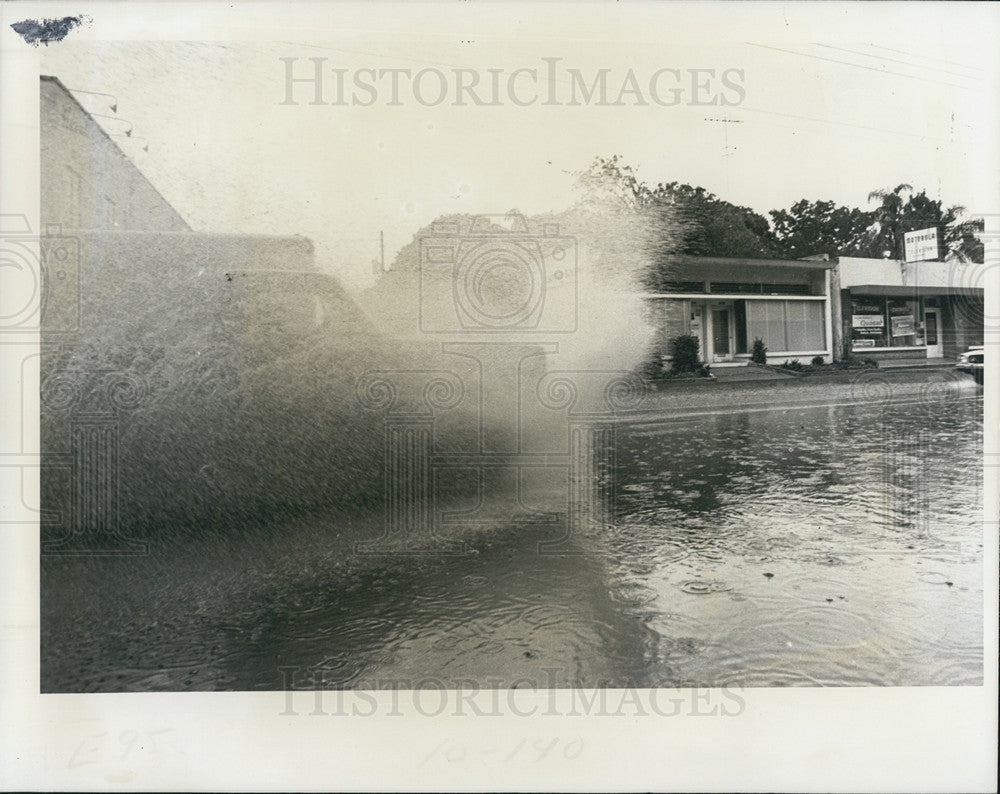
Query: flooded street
[813, 546]
[834, 546]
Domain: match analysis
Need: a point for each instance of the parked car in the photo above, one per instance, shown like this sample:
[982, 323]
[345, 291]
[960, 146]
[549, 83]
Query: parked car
[971, 361]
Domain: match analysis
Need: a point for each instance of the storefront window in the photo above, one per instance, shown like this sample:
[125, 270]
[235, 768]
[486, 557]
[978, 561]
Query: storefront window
[787, 325]
[868, 322]
[877, 321]
[740, 325]
[902, 322]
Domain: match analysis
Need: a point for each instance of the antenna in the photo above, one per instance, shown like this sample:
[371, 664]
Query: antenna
[724, 121]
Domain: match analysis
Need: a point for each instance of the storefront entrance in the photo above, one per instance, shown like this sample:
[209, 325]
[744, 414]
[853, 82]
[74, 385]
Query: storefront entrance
[932, 333]
[790, 328]
[722, 334]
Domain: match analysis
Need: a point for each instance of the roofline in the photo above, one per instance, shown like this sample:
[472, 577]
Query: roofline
[104, 132]
[183, 233]
[804, 264]
[899, 291]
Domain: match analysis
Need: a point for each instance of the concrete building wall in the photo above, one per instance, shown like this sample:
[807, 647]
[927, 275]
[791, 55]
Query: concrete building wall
[127, 282]
[87, 181]
[856, 270]
[962, 321]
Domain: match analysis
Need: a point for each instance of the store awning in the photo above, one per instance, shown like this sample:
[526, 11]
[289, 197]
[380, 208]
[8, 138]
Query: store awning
[711, 262]
[914, 292]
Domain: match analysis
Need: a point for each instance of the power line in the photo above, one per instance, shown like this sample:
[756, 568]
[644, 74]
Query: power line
[861, 66]
[843, 124]
[897, 60]
[927, 57]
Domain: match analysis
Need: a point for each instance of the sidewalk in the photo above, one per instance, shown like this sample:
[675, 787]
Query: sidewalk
[873, 386]
[747, 374]
[917, 363]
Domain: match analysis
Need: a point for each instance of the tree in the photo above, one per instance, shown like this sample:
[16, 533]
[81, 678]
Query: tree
[821, 227]
[713, 226]
[963, 240]
[630, 232]
[958, 235]
[629, 218]
[808, 228]
[887, 229]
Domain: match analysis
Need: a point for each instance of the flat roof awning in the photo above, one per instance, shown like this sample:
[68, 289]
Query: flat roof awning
[740, 262]
[911, 292]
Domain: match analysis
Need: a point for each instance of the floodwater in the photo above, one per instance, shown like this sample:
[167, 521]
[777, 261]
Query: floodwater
[836, 546]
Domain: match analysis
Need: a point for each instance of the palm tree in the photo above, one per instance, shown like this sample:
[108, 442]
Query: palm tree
[889, 216]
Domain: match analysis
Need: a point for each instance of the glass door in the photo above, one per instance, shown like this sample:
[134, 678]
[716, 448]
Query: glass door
[722, 331]
[932, 333]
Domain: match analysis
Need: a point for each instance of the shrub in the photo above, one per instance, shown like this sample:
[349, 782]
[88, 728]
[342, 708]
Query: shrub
[817, 361]
[684, 351]
[652, 367]
[795, 365]
[758, 354]
[870, 362]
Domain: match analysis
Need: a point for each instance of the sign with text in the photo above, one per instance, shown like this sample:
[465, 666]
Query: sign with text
[867, 321]
[921, 245]
[903, 325]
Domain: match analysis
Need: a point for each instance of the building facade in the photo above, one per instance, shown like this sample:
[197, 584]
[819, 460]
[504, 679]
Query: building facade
[87, 181]
[728, 303]
[893, 309]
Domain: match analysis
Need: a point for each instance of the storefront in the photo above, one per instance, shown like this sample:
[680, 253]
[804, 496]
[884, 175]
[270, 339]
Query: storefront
[895, 310]
[728, 303]
[878, 321]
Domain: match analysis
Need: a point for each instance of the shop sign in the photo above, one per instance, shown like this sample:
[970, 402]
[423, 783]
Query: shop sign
[864, 343]
[921, 245]
[903, 325]
[867, 321]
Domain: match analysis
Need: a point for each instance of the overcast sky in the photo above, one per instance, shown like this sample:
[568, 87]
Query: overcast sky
[825, 103]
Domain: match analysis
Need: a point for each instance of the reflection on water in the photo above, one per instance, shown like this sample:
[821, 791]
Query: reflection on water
[818, 546]
[821, 546]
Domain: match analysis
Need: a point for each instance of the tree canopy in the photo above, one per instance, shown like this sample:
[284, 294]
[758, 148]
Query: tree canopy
[809, 228]
[694, 221]
[821, 227]
[633, 228]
